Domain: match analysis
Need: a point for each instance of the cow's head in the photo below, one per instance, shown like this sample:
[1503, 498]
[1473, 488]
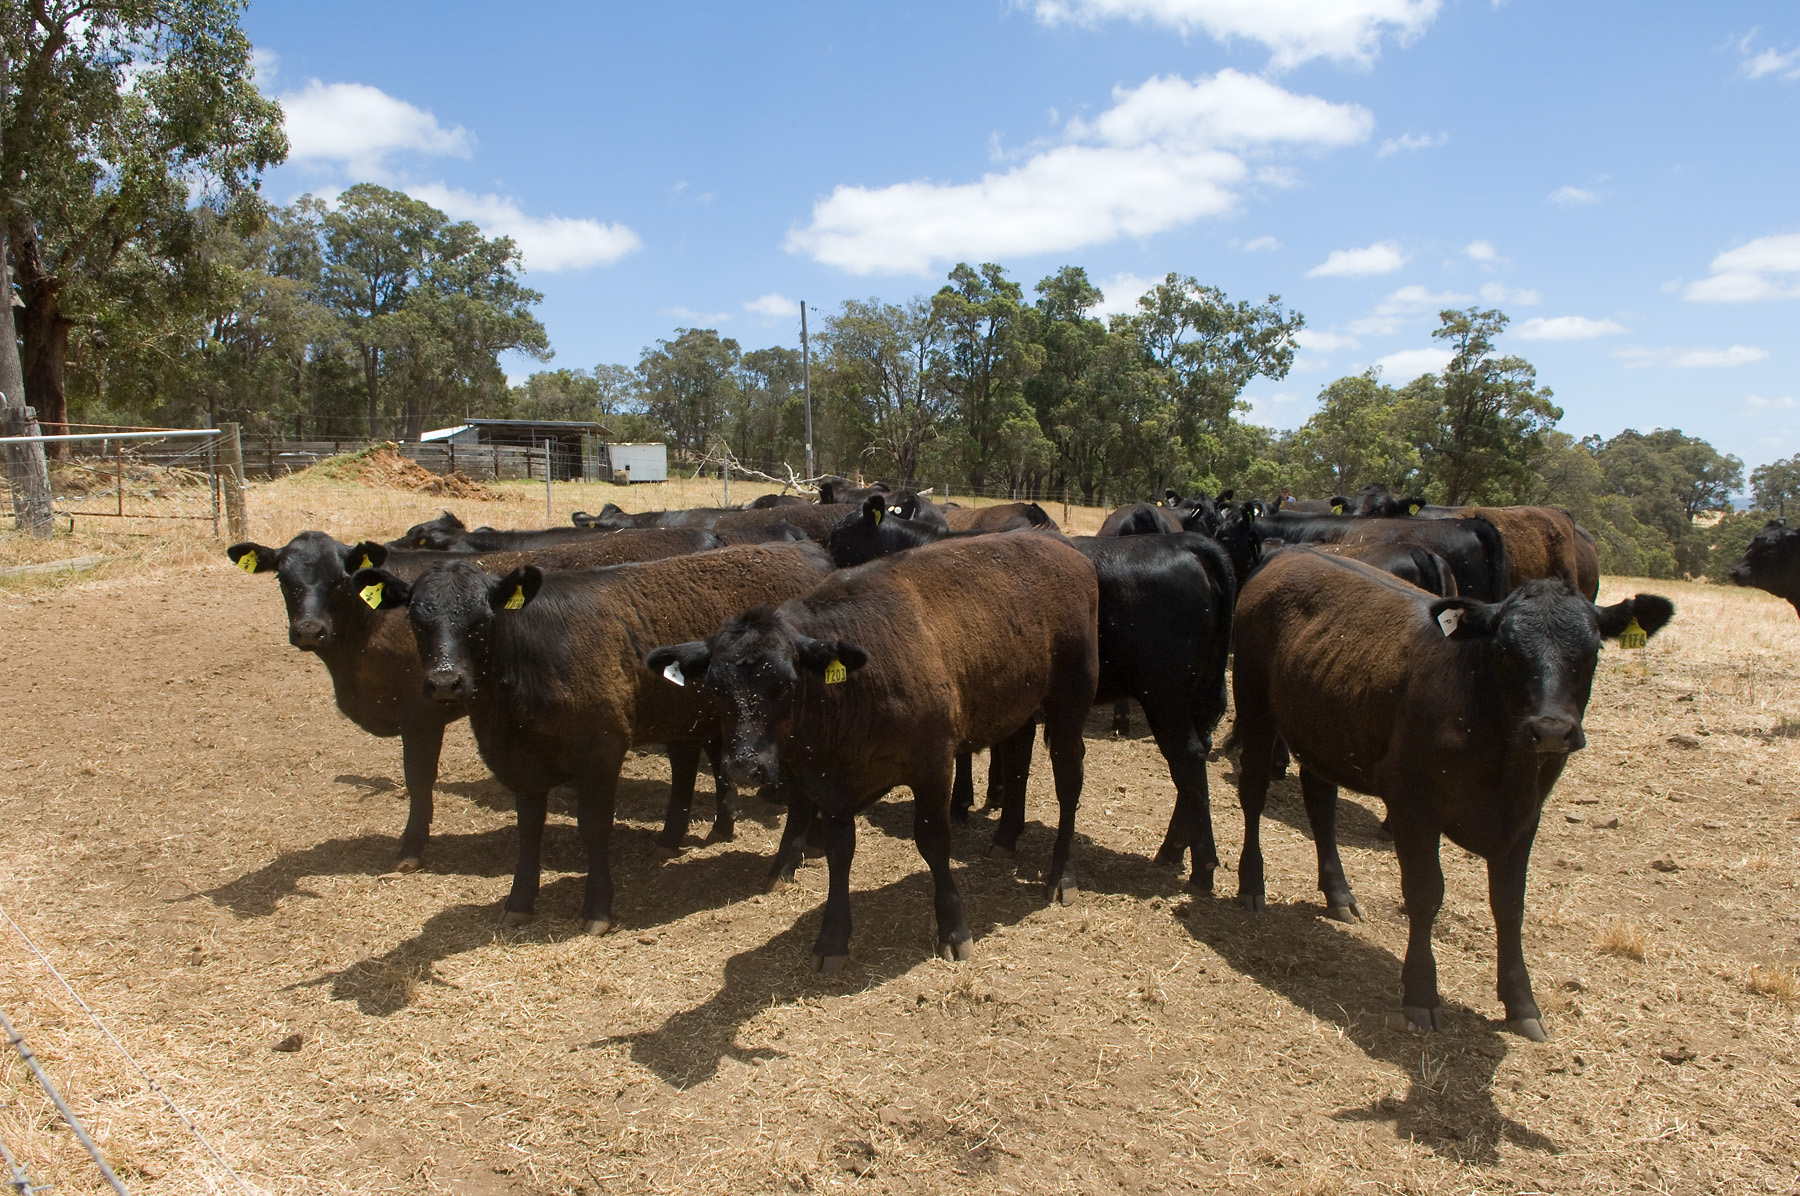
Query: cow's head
[453, 608]
[441, 534]
[1236, 533]
[1772, 562]
[1542, 641]
[758, 667]
[873, 532]
[313, 571]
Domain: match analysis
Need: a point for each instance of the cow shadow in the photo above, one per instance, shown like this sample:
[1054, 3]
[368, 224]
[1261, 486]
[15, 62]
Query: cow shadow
[1338, 978]
[1357, 824]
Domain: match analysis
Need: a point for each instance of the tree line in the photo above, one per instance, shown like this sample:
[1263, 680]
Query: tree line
[155, 286]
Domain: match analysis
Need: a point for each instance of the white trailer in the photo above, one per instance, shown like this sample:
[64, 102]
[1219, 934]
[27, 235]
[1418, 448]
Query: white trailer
[643, 462]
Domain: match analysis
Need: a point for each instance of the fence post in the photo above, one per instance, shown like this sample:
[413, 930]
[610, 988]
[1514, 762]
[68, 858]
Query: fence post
[231, 477]
[28, 471]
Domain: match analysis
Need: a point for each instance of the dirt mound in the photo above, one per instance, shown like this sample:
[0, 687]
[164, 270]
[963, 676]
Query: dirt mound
[382, 465]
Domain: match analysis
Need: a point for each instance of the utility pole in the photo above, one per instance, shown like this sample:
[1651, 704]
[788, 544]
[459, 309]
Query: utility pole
[806, 386]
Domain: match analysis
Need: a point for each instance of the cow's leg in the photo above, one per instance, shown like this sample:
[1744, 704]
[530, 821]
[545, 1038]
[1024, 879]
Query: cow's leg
[530, 809]
[793, 839]
[962, 787]
[684, 767]
[931, 832]
[833, 945]
[724, 827]
[1506, 897]
[1321, 811]
[1122, 718]
[1422, 889]
[598, 787]
[1190, 825]
[1256, 751]
[1011, 758]
[1278, 767]
[1062, 734]
[420, 750]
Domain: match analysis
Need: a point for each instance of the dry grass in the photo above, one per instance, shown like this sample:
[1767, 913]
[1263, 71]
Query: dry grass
[201, 842]
[1627, 940]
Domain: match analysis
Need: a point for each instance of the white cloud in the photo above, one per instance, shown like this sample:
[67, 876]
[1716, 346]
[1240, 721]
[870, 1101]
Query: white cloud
[695, 319]
[1408, 364]
[263, 65]
[1122, 292]
[1494, 292]
[1768, 62]
[773, 306]
[1406, 141]
[1573, 197]
[1258, 244]
[1691, 359]
[1383, 257]
[1766, 268]
[1756, 404]
[1481, 251]
[1401, 307]
[1165, 154]
[1294, 30]
[1565, 328]
[358, 126]
[1324, 342]
[547, 243]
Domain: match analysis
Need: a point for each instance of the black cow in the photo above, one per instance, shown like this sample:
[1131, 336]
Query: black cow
[1473, 547]
[1410, 563]
[1142, 519]
[836, 490]
[446, 533]
[548, 666]
[611, 518]
[766, 501]
[1459, 714]
[877, 679]
[1772, 562]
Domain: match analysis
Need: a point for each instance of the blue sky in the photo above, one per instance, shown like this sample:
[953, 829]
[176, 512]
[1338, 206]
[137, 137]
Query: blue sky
[1623, 180]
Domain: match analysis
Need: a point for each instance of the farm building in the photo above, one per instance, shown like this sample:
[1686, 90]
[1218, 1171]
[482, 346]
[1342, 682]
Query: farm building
[644, 462]
[573, 444]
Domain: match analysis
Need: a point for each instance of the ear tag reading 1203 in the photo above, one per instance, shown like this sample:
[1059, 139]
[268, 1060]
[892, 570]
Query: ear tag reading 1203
[517, 600]
[1633, 636]
[247, 562]
[835, 672]
[673, 673]
[372, 595]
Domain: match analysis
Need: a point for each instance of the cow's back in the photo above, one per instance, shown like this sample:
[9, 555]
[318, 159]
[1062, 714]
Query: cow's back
[1540, 542]
[817, 520]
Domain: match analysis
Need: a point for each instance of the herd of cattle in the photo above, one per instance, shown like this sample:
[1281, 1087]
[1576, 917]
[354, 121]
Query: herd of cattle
[828, 652]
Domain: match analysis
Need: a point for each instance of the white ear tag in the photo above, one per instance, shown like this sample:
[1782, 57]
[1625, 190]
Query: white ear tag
[673, 673]
[1448, 619]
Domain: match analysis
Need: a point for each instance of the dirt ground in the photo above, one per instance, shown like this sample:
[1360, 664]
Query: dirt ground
[200, 843]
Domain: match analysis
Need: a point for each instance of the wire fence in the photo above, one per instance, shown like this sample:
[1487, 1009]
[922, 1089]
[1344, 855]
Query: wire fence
[136, 481]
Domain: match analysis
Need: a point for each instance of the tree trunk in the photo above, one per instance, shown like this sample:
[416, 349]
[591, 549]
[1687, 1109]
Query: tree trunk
[44, 330]
[372, 373]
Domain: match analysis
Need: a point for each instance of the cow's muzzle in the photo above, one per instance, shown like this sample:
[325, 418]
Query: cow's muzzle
[448, 685]
[749, 772]
[1554, 735]
[309, 635]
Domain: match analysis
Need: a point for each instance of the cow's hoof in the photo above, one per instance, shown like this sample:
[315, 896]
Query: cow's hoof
[829, 965]
[407, 863]
[778, 882]
[956, 949]
[513, 917]
[598, 926]
[1065, 891]
[1201, 881]
[1169, 857]
[998, 851]
[1121, 729]
[989, 806]
[1254, 903]
[959, 813]
[1348, 911]
[1417, 1019]
[722, 834]
[665, 853]
[1528, 1027]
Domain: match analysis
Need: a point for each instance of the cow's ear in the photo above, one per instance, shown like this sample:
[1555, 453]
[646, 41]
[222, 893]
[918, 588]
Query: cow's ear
[874, 507]
[1651, 612]
[252, 557]
[1225, 496]
[367, 555]
[1413, 505]
[1171, 498]
[1462, 618]
[517, 588]
[1339, 504]
[380, 590]
[611, 508]
[680, 663]
[836, 659]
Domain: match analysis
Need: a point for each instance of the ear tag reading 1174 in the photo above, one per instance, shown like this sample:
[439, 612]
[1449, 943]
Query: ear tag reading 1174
[1633, 636]
[517, 600]
[372, 595]
[835, 672]
[247, 562]
[673, 673]
[1449, 619]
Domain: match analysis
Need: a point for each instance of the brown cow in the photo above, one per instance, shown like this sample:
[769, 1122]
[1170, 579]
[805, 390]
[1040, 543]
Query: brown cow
[816, 520]
[882, 674]
[1001, 517]
[1460, 715]
[1542, 542]
[549, 667]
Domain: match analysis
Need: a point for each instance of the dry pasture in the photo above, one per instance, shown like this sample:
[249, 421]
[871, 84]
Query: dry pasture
[199, 842]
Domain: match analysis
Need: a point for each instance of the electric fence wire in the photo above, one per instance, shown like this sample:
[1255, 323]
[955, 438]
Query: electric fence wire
[17, 1180]
[142, 1074]
[62, 1106]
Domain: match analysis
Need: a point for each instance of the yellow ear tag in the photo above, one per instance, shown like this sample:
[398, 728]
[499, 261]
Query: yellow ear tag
[878, 514]
[366, 562]
[1633, 636]
[1337, 508]
[372, 595]
[1412, 508]
[835, 672]
[518, 598]
[247, 562]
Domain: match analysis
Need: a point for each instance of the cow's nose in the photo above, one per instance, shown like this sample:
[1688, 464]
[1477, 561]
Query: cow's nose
[749, 771]
[1555, 734]
[1740, 576]
[308, 633]
[447, 685]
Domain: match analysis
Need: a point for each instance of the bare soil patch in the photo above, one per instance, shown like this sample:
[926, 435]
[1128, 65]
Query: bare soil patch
[384, 466]
[199, 841]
